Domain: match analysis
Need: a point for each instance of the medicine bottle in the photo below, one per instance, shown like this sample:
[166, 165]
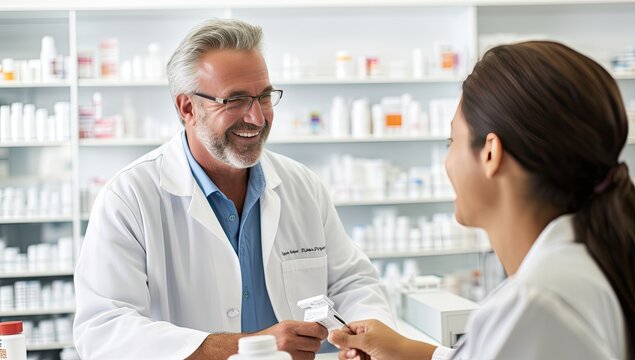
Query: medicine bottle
[260, 347]
[12, 342]
[109, 58]
[342, 64]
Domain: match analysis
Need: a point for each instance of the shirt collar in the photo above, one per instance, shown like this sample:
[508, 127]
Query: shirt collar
[256, 175]
[204, 182]
[558, 231]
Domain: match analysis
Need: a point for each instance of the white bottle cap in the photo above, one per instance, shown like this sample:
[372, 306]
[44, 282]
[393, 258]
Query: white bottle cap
[260, 344]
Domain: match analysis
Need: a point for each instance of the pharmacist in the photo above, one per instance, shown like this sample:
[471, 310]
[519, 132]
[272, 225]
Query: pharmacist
[208, 236]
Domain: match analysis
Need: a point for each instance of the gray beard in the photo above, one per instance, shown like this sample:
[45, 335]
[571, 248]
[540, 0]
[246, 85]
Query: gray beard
[221, 148]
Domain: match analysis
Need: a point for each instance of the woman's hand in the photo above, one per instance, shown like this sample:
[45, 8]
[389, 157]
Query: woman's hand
[372, 339]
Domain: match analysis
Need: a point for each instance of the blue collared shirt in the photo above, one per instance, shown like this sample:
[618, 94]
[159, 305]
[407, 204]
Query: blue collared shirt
[243, 233]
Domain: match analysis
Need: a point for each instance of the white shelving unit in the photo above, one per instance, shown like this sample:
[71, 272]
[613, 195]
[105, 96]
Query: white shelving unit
[37, 312]
[379, 202]
[321, 139]
[431, 252]
[380, 28]
[51, 346]
[370, 81]
[121, 83]
[26, 85]
[18, 144]
[120, 142]
[36, 219]
[35, 274]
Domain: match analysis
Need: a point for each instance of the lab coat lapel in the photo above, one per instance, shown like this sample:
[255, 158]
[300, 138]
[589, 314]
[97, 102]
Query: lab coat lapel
[201, 211]
[269, 220]
[177, 179]
[269, 209]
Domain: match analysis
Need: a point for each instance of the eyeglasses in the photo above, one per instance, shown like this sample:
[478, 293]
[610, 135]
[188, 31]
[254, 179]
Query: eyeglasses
[240, 105]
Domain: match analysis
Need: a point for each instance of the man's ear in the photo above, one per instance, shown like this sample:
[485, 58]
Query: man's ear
[186, 109]
[492, 155]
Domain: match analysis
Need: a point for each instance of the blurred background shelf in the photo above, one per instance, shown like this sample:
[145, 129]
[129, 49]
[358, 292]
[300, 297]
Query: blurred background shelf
[14, 313]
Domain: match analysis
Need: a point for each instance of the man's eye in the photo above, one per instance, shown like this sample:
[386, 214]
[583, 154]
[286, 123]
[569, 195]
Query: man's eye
[265, 99]
[236, 103]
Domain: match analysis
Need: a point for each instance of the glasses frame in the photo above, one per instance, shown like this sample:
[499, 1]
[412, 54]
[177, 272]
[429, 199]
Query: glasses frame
[225, 101]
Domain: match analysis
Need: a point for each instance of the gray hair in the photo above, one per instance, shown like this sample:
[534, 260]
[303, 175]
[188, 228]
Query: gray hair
[213, 34]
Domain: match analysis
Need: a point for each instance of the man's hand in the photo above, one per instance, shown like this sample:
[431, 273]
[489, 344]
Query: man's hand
[299, 338]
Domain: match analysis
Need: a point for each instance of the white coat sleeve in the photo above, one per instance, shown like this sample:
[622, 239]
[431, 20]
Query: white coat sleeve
[353, 284]
[530, 324]
[113, 317]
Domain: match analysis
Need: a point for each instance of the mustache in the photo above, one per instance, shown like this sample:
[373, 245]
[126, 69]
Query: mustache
[242, 126]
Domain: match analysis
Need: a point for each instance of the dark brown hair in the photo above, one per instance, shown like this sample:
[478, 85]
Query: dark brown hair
[560, 115]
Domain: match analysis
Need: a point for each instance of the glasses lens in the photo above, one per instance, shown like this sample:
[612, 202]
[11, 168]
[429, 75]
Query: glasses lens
[270, 100]
[238, 105]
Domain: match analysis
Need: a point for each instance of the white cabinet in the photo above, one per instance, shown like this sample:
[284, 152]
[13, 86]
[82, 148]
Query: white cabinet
[301, 41]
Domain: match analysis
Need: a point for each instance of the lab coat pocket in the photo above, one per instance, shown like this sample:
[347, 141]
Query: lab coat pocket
[304, 278]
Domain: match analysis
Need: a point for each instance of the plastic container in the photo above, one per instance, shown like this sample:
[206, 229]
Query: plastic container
[8, 69]
[12, 341]
[85, 64]
[47, 57]
[343, 64]
[339, 123]
[360, 118]
[109, 58]
[261, 347]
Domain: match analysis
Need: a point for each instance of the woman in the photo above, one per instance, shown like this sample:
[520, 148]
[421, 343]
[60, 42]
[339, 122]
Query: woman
[533, 159]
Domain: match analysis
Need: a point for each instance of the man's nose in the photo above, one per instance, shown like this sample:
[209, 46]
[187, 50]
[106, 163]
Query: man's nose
[254, 115]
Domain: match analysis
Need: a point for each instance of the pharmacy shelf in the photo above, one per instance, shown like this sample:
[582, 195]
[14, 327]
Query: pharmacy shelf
[320, 139]
[308, 139]
[342, 203]
[121, 83]
[284, 82]
[424, 253]
[51, 346]
[35, 219]
[121, 142]
[35, 274]
[372, 80]
[393, 201]
[17, 84]
[20, 144]
[69, 310]
[624, 76]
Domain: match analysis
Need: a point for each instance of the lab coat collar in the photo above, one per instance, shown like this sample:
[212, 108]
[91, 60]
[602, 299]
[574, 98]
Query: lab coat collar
[272, 180]
[176, 175]
[558, 231]
[177, 179]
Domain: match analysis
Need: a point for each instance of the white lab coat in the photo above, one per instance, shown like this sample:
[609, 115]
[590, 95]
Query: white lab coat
[558, 305]
[156, 273]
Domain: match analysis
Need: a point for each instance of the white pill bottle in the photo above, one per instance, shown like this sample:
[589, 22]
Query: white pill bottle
[12, 342]
[260, 347]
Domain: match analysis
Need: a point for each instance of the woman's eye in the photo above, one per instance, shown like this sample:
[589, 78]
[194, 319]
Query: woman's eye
[449, 142]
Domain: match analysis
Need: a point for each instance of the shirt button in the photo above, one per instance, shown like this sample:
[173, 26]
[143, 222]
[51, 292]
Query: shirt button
[246, 295]
[232, 312]
[232, 217]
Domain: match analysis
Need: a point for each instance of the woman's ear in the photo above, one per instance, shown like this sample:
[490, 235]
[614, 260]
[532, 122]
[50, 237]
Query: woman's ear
[492, 155]
[186, 109]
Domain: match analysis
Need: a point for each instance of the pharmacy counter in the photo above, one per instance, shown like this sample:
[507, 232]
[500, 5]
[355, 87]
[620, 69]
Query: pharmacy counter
[405, 329]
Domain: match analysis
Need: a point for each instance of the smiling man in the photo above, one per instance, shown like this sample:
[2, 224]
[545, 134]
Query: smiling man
[205, 239]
